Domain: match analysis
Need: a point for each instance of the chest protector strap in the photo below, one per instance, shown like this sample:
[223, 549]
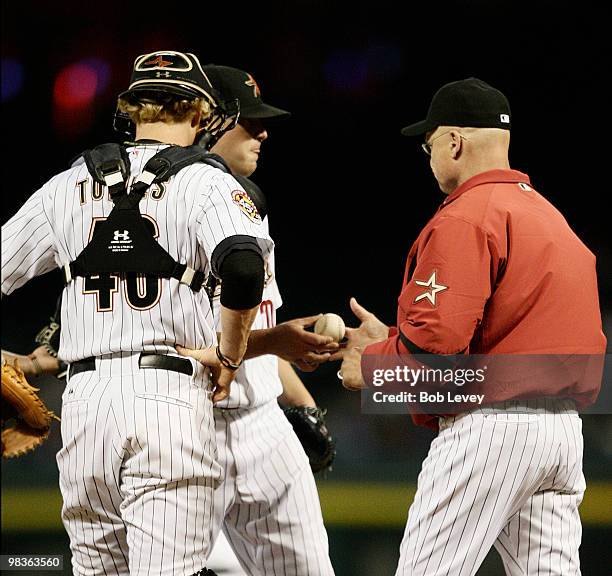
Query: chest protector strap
[109, 165]
[125, 242]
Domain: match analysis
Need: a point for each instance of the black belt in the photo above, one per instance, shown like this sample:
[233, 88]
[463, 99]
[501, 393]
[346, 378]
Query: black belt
[146, 360]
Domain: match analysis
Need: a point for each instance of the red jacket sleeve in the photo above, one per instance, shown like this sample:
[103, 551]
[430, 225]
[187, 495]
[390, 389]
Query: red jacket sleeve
[442, 303]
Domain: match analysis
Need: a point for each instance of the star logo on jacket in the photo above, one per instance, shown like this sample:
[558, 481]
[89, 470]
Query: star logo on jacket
[433, 289]
[251, 82]
[158, 62]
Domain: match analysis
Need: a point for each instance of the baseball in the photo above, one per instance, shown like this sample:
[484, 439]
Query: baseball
[330, 325]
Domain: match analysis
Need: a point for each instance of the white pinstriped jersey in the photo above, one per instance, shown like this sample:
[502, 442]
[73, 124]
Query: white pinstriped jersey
[190, 213]
[257, 380]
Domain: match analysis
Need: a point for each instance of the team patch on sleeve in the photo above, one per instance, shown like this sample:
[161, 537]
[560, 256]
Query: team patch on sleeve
[432, 289]
[244, 202]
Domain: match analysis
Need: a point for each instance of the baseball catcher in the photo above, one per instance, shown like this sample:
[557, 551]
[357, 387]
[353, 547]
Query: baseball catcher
[309, 426]
[25, 418]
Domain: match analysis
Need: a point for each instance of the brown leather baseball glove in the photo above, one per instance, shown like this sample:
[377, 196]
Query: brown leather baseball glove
[25, 418]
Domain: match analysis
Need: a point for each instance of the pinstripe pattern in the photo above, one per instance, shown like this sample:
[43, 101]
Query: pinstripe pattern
[544, 535]
[510, 478]
[268, 506]
[193, 215]
[137, 466]
[135, 488]
[268, 503]
[257, 381]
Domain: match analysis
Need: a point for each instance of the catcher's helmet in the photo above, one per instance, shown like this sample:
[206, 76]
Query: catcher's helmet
[169, 72]
[173, 74]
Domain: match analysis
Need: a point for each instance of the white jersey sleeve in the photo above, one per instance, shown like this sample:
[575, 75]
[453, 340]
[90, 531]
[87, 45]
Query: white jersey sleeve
[28, 246]
[229, 211]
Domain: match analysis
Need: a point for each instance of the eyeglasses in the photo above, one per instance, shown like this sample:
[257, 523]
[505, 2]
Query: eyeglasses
[427, 145]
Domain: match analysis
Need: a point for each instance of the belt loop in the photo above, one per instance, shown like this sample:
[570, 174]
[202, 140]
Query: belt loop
[187, 276]
[67, 273]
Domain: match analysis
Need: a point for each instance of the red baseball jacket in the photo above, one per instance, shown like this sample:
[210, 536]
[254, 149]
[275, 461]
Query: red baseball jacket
[498, 270]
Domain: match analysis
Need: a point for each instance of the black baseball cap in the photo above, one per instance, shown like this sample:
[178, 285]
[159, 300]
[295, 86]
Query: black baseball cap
[233, 83]
[470, 102]
[169, 72]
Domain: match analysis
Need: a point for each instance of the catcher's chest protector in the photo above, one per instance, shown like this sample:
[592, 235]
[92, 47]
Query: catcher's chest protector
[124, 242]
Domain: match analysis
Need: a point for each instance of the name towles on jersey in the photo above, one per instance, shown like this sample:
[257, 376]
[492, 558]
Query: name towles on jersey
[189, 215]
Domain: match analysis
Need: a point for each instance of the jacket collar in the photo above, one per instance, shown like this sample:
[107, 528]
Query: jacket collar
[488, 177]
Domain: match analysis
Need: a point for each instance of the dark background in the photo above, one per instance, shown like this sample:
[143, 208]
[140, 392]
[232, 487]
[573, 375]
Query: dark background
[347, 193]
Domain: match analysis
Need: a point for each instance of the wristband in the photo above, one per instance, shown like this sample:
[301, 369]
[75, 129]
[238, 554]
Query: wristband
[225, 361]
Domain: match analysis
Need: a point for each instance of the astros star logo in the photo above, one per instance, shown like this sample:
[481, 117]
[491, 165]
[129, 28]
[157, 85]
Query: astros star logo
[434, 288]
[159, 61]
[251, 82]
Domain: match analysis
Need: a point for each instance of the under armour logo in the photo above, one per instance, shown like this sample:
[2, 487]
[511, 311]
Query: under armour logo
[504, 118]
[121, 242]
[121, 236]
[165, 74]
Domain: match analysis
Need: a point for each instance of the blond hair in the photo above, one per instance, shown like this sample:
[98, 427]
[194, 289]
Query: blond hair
[171, 112]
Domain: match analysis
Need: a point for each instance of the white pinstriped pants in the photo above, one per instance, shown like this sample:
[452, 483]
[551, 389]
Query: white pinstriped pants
[137, 469]
[510, 479]
[268, 505]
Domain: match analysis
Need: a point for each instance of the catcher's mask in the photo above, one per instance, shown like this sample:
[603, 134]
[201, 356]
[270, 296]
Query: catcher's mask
[223, 118]
[167, 75]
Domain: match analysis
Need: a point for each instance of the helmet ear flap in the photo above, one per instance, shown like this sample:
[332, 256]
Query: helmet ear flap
[122, 124]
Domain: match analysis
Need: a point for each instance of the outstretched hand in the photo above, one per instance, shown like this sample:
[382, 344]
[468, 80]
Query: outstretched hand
[292, 342]
[37, 363]
[44, 361]
[221, 376]
[371, 330]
